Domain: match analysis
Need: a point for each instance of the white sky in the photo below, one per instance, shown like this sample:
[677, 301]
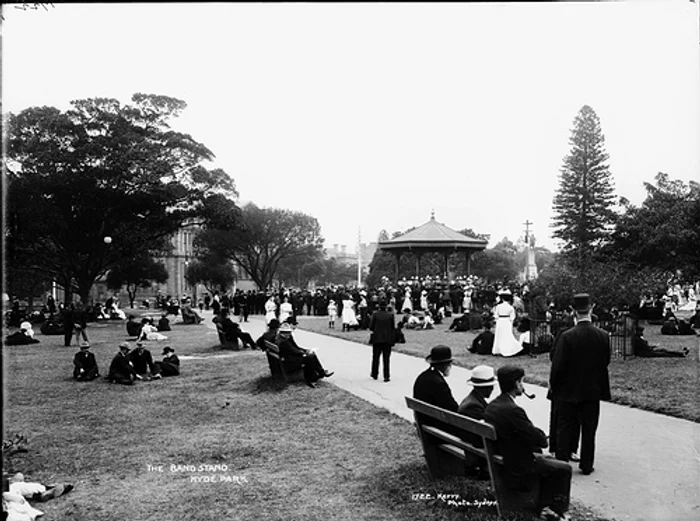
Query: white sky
[370, 115]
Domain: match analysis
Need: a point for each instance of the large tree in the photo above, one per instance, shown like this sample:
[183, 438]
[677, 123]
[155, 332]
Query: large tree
[583, 214]
[215, 272]
[134, 273]
[262, 239]
[664, 232]
[103, 169]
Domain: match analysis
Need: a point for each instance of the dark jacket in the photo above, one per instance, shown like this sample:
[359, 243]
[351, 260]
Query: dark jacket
[483, 343]
[431, 387]
[85, 360]
[580, 365]
[381, 324]
[518, 439]
[473, 406]
[291, 352]
[142, 362]
[120, 368]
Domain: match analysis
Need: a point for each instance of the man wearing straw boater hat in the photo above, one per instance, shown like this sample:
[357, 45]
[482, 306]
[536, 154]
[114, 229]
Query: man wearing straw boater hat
[579, 380]
[483, 380]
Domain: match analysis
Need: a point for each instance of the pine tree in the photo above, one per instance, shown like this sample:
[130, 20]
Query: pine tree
[583, 215]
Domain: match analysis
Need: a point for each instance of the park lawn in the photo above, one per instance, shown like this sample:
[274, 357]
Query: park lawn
[664, 385]
[275, 452]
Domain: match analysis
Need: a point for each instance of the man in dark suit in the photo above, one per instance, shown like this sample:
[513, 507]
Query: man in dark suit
[85, 365]
[304, 358]
[519, 441]
[482, 379]
[579, 380]
[382, 325]
[120, 370]
[170, 366]
[431, 386]
[483, 343]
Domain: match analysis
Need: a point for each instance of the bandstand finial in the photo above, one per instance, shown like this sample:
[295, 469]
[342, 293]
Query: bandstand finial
[432, 214]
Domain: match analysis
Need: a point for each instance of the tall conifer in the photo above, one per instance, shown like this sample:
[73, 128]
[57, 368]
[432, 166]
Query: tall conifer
[583, 214]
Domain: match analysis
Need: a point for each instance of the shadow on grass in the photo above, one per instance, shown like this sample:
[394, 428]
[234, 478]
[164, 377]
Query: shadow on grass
[266, 384]
[410, 487]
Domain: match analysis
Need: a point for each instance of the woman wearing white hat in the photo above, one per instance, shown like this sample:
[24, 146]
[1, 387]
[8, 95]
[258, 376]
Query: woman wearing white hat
[505, 343]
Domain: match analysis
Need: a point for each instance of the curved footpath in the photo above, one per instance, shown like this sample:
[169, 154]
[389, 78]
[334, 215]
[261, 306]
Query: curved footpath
[647, 465]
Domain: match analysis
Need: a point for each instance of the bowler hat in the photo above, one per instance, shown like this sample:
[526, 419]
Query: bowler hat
[482, 376]
[582, 302]
[124, 345]
[168, 349]
[439, 354]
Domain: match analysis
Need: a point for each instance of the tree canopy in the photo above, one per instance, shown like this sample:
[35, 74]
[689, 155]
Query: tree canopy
[103, 169]
[583, 214]
[263, 239]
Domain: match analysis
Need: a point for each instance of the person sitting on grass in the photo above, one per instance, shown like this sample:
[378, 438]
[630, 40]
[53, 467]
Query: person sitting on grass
[36, 491]
[483, 343]
[170, 366]
[296, 355]
[460, 324]
[121, 370]
[270, 335]
[150, 332]
[684, 328]
[642, 348]
[399, 337]
[142, 361]
[133, 328]
[52, 325]
[670, 327]
[84, 365]
[189, 315]
[21, 337]
[521, 443]
[164, 323]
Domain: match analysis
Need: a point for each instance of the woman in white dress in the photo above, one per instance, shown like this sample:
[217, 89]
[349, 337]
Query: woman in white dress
[150, 332]
[349, 316]
[467, 300]
[424, 300]
[407, 303]
[504, 342]
[270, 309]
[286, 310]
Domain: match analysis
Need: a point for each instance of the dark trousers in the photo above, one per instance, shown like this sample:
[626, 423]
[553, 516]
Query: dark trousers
[88, 375]
[313, 370]
[555, 483]
[571, 416]
[166, 369]
[383, 350]
[67, 334]
[553, 428]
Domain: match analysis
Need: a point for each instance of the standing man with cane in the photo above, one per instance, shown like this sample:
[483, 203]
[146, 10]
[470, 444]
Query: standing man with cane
[579, 381]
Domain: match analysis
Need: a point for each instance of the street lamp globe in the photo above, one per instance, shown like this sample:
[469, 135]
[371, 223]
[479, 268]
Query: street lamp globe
[108, 240]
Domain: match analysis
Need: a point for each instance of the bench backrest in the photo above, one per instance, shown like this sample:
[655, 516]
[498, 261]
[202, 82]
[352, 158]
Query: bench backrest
[272, 348]
[449, 442]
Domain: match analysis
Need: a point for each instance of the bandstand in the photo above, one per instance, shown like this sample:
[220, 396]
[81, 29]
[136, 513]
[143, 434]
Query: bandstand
[433, 237]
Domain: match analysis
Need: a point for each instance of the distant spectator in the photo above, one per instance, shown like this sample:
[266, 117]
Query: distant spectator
[20, 338]
[164, 323]
[80, 323]
[133, 328]
[684, 328]
[150, 332]
[399, 337]
[483, 343]
[121, 370]
[642, 348]
[85, 365]
[142, 361]
[669, 327]
[170, 366]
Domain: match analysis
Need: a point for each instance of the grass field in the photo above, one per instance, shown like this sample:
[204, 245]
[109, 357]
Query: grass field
[664, 385]
[222, 441]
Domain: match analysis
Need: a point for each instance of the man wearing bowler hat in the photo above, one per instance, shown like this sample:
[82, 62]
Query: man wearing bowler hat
[431, 386]
[579, 380]
[381, 324]
[121, 370]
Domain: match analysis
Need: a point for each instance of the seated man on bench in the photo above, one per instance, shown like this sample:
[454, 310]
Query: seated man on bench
[483, 380]
[305, 358]
[519, 440]
[233, 331]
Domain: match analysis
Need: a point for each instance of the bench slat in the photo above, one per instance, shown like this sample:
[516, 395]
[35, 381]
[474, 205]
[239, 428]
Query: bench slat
[456, 445]
[461, 422]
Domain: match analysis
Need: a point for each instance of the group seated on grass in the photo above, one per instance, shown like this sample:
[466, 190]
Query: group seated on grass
[24, 336]
[127, 366]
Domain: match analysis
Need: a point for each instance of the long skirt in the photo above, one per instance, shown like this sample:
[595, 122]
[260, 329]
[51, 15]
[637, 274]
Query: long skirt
[505, 343]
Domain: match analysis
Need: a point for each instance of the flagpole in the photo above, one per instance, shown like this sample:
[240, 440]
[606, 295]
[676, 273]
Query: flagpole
[359, 258]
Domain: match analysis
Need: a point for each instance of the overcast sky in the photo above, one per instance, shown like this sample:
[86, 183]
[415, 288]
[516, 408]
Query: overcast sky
[368, 116]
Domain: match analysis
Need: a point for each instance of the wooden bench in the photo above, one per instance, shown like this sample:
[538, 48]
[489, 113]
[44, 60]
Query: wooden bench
[227, 344]
[280, 369]
[445, 453]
